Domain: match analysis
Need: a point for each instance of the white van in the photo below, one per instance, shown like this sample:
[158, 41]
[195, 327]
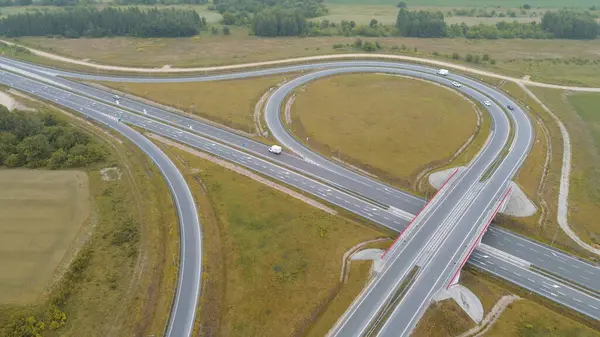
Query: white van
[275, 149]
[443, 72]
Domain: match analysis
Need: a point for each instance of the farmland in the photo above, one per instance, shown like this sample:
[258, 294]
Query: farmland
[41, 213]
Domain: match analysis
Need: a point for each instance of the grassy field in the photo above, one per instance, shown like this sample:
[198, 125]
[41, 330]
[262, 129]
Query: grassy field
[403, 126]
[527, 318]
[560, 61]
[579, 114]
[40, 215]
[122, 279]
[269, 276]
[229, 102]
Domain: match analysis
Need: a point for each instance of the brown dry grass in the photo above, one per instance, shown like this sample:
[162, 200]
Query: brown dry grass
[228, 102]
[387, 125]
[270, 273]
[40, 215]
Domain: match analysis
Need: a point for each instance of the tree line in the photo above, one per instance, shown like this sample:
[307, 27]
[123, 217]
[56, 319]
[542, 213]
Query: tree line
[92, 22]
[42, 140]
[562, 24]
[308, 8]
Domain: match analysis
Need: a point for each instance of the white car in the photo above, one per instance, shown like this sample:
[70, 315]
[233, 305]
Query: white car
[116, 97]
[456, 84]
[487, 103]
[276, 149]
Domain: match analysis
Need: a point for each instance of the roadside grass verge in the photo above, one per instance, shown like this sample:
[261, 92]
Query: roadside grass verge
[558, 61]
[543, 306]
[229, 102]
[533, 315]
[389, 126]
[122, 280]
[280, 258]
[357, 280]
[578, 112]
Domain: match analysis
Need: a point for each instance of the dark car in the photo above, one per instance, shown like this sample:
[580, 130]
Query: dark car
[510, 107]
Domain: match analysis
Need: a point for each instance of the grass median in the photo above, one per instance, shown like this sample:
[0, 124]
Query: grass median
[390, 126]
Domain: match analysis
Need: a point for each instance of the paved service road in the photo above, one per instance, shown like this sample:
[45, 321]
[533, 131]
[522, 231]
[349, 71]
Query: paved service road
[323, 191]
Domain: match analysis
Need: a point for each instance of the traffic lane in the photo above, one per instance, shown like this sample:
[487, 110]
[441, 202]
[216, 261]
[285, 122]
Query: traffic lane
[539, 284]
[483, 268]
[580, 277]
[558, 263]
[184, 307]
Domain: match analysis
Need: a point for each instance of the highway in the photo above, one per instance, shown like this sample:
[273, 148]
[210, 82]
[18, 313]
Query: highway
[363, 208]
[565, 265]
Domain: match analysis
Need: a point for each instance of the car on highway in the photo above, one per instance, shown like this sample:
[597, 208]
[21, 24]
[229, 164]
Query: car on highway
[510, 107]
[443, 72]
[275, 149]
[456, 84]
[487, 103]
[117, 97]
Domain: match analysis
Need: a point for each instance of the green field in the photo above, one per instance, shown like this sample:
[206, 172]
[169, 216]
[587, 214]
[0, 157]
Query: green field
[40, 215]
[474, 3]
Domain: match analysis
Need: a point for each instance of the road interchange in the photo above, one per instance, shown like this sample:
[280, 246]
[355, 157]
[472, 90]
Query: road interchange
[389, 193]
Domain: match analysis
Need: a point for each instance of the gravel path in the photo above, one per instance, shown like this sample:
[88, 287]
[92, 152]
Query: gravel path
[563, 193]
[491, 317]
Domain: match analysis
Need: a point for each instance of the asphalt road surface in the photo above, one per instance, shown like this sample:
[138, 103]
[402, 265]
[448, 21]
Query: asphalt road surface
[324, 192]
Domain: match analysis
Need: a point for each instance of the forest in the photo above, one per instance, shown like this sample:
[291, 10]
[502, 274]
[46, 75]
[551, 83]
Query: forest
[91, 22]
[42, 140]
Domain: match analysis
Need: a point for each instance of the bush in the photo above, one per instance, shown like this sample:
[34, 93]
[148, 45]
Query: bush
[338, 46]
[226, 31]
[358, 43]
[369, 46]
[486, 57]
[455, 56]
[401, 4]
